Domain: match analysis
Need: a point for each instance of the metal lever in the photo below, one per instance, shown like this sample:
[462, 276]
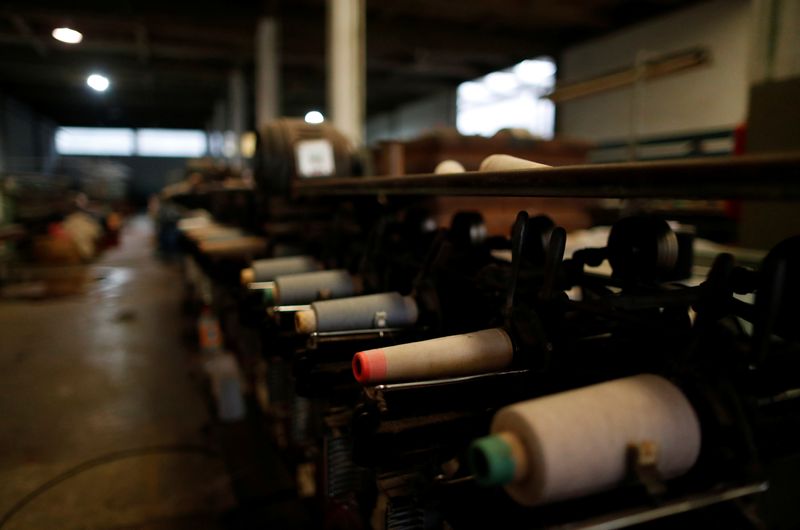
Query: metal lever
[552, 264]
[518, 237]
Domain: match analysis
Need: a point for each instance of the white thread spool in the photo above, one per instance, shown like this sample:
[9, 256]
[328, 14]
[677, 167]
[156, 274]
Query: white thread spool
[576, 443]
[389, 310]
[508, 163]
[304, 288]
[266, 270]
[471, 353]
[448, 166]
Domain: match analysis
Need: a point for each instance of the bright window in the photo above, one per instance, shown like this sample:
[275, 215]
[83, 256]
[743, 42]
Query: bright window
[102, 141]
[94, 141]
[171, 142]
[511, 98]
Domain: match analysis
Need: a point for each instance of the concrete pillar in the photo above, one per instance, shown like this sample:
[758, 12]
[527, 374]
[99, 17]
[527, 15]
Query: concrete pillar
[268, 70]
[236, 115]
[347, 67]
[218, 126]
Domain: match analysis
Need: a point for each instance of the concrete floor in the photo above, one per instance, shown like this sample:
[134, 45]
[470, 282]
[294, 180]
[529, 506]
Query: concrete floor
[100, 372]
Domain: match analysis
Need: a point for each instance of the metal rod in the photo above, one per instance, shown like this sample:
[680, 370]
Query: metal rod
[687, 504]
[413, 385]
[289, 308]
[764, 177]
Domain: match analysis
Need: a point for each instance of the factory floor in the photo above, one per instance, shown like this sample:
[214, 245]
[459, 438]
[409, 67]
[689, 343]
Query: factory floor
[102, 378]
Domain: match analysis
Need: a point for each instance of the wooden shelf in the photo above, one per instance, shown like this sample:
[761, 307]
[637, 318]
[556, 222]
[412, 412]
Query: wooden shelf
[765, 177]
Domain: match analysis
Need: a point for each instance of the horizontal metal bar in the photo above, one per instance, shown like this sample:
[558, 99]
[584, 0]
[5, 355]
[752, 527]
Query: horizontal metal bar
[256, 286]
[694, 502]
[764, 177]
[288, 308]
[354, 334]
[432, 383]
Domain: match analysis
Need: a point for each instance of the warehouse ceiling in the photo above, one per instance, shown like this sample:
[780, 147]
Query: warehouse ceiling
[169, 61]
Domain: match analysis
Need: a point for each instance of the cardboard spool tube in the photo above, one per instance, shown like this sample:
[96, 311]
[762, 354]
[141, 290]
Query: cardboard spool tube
[247, 276]
[238, 245]
[448, 166]
[200, 231]
[211, 231]
[390, 310]
[188, 224]
[508, 163]
[458, 355]
[221, 234]
[305, 322]
[266, 270]
[304, 288]
[576, 443]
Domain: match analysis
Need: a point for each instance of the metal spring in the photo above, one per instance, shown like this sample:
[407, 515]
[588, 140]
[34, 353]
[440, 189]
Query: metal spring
[342, 475]
[404, 514]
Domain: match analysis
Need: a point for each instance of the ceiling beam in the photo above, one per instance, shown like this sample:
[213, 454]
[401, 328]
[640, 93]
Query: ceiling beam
[122, 78]
[130, 47]
[516, 15]
[27, 34]
[143, 44]
[187, 12]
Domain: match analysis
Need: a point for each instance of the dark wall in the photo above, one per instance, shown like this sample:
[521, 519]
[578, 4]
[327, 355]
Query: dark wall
[27, 144]
[149, 174]
[27, 139]
[145, 175]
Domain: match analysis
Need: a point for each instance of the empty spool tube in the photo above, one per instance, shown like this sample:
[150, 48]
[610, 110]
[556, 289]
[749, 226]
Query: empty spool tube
[266, 270]
[508, 163]
[458, 355]
[234, 245]
[446, 167]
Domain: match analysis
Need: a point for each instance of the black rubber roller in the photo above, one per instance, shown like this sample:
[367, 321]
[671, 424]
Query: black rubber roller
[642, 249]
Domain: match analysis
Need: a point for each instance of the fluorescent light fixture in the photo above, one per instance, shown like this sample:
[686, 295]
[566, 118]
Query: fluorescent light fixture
[314, 117]
[535, 71]
[98, 82]
[68, 35]
[504, 83]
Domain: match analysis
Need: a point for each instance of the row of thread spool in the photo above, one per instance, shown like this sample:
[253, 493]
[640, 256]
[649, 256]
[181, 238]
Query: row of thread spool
[298, 412]
[686, 450]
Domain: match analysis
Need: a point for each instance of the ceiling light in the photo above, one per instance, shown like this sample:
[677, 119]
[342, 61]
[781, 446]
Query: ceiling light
[98, 82]
[68, 35]
[314, 117]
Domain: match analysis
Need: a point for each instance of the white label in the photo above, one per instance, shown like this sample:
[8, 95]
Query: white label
[315, 158]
